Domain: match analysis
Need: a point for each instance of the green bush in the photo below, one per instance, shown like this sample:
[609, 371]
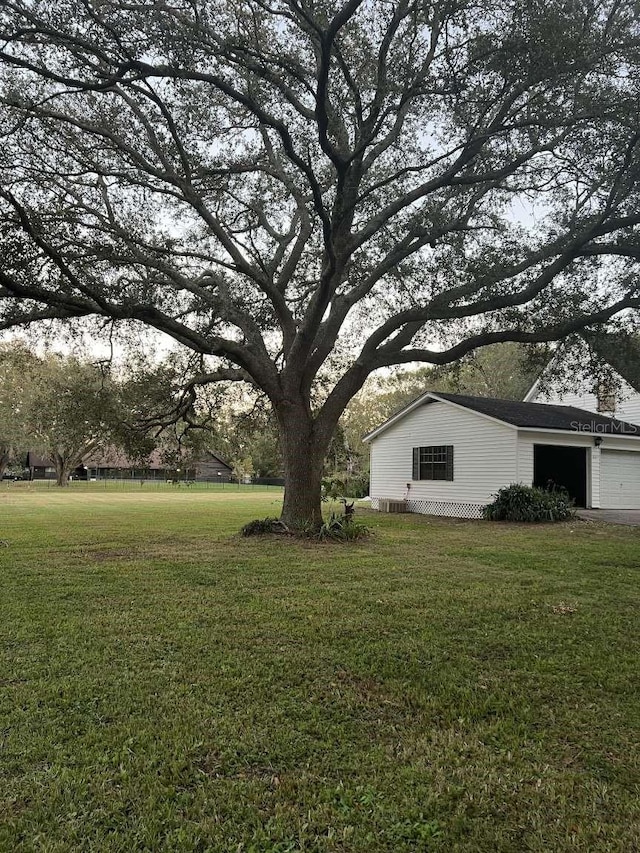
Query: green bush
[530, 504]
[342, 528]
[345, 487]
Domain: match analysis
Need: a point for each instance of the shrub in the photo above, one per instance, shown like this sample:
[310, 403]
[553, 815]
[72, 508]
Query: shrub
[342, 528]
[338, 527]
[262, 526]
[530, 504]
[345, 487]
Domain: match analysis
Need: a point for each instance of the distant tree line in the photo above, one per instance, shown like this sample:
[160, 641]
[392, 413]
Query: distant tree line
[68, 407]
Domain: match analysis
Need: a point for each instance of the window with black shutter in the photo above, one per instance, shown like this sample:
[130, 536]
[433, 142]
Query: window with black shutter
[433, 463]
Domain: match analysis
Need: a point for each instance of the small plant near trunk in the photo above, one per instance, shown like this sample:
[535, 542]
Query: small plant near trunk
[529, 504]
[342, 528]
[263, 526]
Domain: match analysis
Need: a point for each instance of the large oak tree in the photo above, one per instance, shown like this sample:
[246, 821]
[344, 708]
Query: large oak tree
[306, 191]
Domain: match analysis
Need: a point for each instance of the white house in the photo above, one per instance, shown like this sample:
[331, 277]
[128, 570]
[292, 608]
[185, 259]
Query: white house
[448, 454]
[617, 394]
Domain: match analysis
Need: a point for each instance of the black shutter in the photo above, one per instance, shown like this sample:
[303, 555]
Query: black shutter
[416, 463]
[449, 468]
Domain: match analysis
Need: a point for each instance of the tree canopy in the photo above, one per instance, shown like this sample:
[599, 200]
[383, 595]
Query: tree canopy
[68, 408]
[307, 191]
[16, 382]
[65, 407]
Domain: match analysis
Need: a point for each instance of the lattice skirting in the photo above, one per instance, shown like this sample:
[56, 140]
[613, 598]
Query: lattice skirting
[448, 508]
[454, 510]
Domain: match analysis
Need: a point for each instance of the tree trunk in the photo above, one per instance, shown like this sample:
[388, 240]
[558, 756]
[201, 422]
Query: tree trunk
[5, 456]
[62, 474]
[302, 506]
[303, 455]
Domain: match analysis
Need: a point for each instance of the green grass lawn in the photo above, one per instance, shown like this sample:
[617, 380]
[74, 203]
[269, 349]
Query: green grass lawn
[445, 686]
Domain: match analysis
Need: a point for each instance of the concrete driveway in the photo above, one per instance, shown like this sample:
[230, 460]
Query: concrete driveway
[612, 516]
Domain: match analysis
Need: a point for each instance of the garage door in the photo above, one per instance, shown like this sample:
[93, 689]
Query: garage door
[619, 480]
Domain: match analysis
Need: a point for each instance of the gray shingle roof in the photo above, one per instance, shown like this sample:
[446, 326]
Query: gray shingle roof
[543, 415]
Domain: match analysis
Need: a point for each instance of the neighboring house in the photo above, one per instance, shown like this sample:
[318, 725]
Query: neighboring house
[40, 468]
[448, 454]
[212, 468]
[101, 465]
[114, 464]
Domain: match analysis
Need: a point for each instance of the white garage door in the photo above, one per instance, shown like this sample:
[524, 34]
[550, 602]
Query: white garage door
[619, 480]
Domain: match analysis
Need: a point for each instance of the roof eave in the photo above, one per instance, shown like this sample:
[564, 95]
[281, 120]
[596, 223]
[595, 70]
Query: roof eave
[432, 395]
[584, 432]
[474, 411]
[410, 407]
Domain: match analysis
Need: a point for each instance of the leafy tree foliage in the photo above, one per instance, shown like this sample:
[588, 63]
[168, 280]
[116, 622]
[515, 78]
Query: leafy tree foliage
[69, 410]
[183, 419]
[594, 363]
[242, 469]
[69, 407]
[309, 189]
[16, 366]
[157, 414]
[244, 427]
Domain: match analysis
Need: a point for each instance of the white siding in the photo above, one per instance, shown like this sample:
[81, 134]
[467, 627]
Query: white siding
[484, 458]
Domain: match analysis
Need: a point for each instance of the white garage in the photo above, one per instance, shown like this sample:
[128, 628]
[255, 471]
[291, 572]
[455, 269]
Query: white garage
[619, 479]
[448, 454]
